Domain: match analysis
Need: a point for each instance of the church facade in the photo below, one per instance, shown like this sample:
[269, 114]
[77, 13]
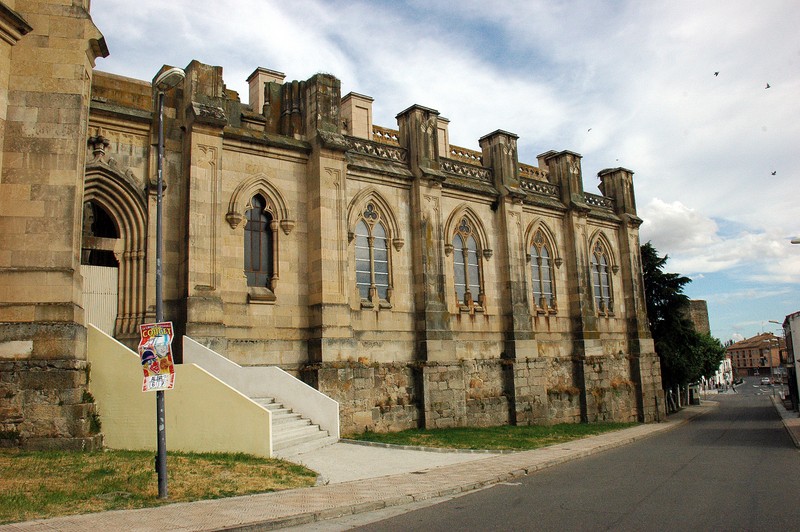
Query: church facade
[418, 283]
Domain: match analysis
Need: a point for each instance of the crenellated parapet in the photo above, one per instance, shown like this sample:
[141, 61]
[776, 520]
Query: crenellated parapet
[421, 143]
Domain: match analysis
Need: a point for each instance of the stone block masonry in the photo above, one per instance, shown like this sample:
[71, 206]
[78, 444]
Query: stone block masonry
[395, 396]
[44, 405]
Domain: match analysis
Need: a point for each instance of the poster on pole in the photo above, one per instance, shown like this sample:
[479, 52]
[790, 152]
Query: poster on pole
[155, 352]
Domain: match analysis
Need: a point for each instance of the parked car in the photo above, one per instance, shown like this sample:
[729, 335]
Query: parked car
[765, 381]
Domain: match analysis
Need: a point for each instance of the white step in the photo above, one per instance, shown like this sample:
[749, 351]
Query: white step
[295, 431]
[292, 433]
[284, 424]
[289, 419]
[292, 453]
[297, 446]
[296, 437]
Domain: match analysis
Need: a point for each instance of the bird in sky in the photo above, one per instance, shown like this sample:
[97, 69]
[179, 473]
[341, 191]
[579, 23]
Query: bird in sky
[767, 86]
[775, 172]
[589, 129]
[716, 73]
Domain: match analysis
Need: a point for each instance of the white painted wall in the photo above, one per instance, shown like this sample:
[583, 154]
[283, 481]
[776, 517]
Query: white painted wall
[203, 414]
[100, 285]
[267, 381]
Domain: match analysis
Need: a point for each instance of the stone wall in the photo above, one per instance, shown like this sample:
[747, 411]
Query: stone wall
[698, 313]
[375, 397]
[530, 399]
[563, 391]
[610, 393]
[444, 396]
[547, 390]
[44, 405]
[479, 393]
[487, 412]
[563, 405]
[652, 395]
[487, 393]
[397, 396]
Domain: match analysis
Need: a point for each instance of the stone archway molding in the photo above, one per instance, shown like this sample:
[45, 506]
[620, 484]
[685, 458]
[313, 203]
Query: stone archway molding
[117, 192]
[549, 236]
[357, 206]
[464, 211]
[240, 201]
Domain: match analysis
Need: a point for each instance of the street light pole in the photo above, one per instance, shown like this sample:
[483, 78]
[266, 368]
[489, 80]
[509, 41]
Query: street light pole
[771, 372]
[164, 82]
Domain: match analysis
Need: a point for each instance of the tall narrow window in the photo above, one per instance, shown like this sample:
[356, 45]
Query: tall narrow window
[601, 280]
[466, 265]
[372, 257]
[258, 244]
[542, 273]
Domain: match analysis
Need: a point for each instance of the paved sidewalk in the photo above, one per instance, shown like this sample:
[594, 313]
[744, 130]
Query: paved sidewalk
[295, 507]
[350, 460]
[791, 421]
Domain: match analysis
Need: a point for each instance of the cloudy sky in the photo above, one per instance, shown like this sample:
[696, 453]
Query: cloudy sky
[624, 83]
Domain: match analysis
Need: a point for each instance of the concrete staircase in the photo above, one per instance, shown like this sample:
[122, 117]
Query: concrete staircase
[292, 434]
[311, 420]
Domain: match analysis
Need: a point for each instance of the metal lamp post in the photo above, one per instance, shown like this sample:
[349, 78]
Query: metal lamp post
[164, 82]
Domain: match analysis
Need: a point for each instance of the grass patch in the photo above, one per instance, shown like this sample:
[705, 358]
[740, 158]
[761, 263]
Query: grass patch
[41, 484]
[503, 438]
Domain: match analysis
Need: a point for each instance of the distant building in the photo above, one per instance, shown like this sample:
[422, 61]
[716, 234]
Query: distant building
[724, 374]
[759, 355]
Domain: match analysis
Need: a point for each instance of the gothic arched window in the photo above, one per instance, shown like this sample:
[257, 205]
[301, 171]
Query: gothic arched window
[372, 257]
[259, 240]
[467, 267]
[601, 280]
[542, 273]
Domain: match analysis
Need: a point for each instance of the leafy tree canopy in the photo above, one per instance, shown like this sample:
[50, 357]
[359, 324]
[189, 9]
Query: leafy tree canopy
[686, 355]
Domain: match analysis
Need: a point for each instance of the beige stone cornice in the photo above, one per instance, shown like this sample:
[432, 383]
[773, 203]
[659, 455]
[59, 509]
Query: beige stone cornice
[12, 26]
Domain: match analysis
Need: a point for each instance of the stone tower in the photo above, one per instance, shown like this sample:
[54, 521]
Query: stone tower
[46, 59]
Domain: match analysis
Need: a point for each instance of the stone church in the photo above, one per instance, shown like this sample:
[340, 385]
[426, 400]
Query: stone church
[418, 283]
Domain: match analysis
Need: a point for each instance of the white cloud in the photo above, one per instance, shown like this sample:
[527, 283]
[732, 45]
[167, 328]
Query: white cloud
[695, 245]
[747, 294]
[674, 228]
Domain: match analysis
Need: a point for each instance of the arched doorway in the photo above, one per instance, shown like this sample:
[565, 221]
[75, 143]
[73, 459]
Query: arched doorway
[113, 248]
[99, 267]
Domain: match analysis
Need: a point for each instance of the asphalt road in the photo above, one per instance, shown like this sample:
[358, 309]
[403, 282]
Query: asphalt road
[734, 468]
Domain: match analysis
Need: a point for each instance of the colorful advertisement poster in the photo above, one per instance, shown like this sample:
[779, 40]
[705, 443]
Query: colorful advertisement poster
[155, 352]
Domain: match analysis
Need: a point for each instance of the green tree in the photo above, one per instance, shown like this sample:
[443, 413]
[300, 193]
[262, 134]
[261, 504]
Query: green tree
[685, 354]
[709, 351]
